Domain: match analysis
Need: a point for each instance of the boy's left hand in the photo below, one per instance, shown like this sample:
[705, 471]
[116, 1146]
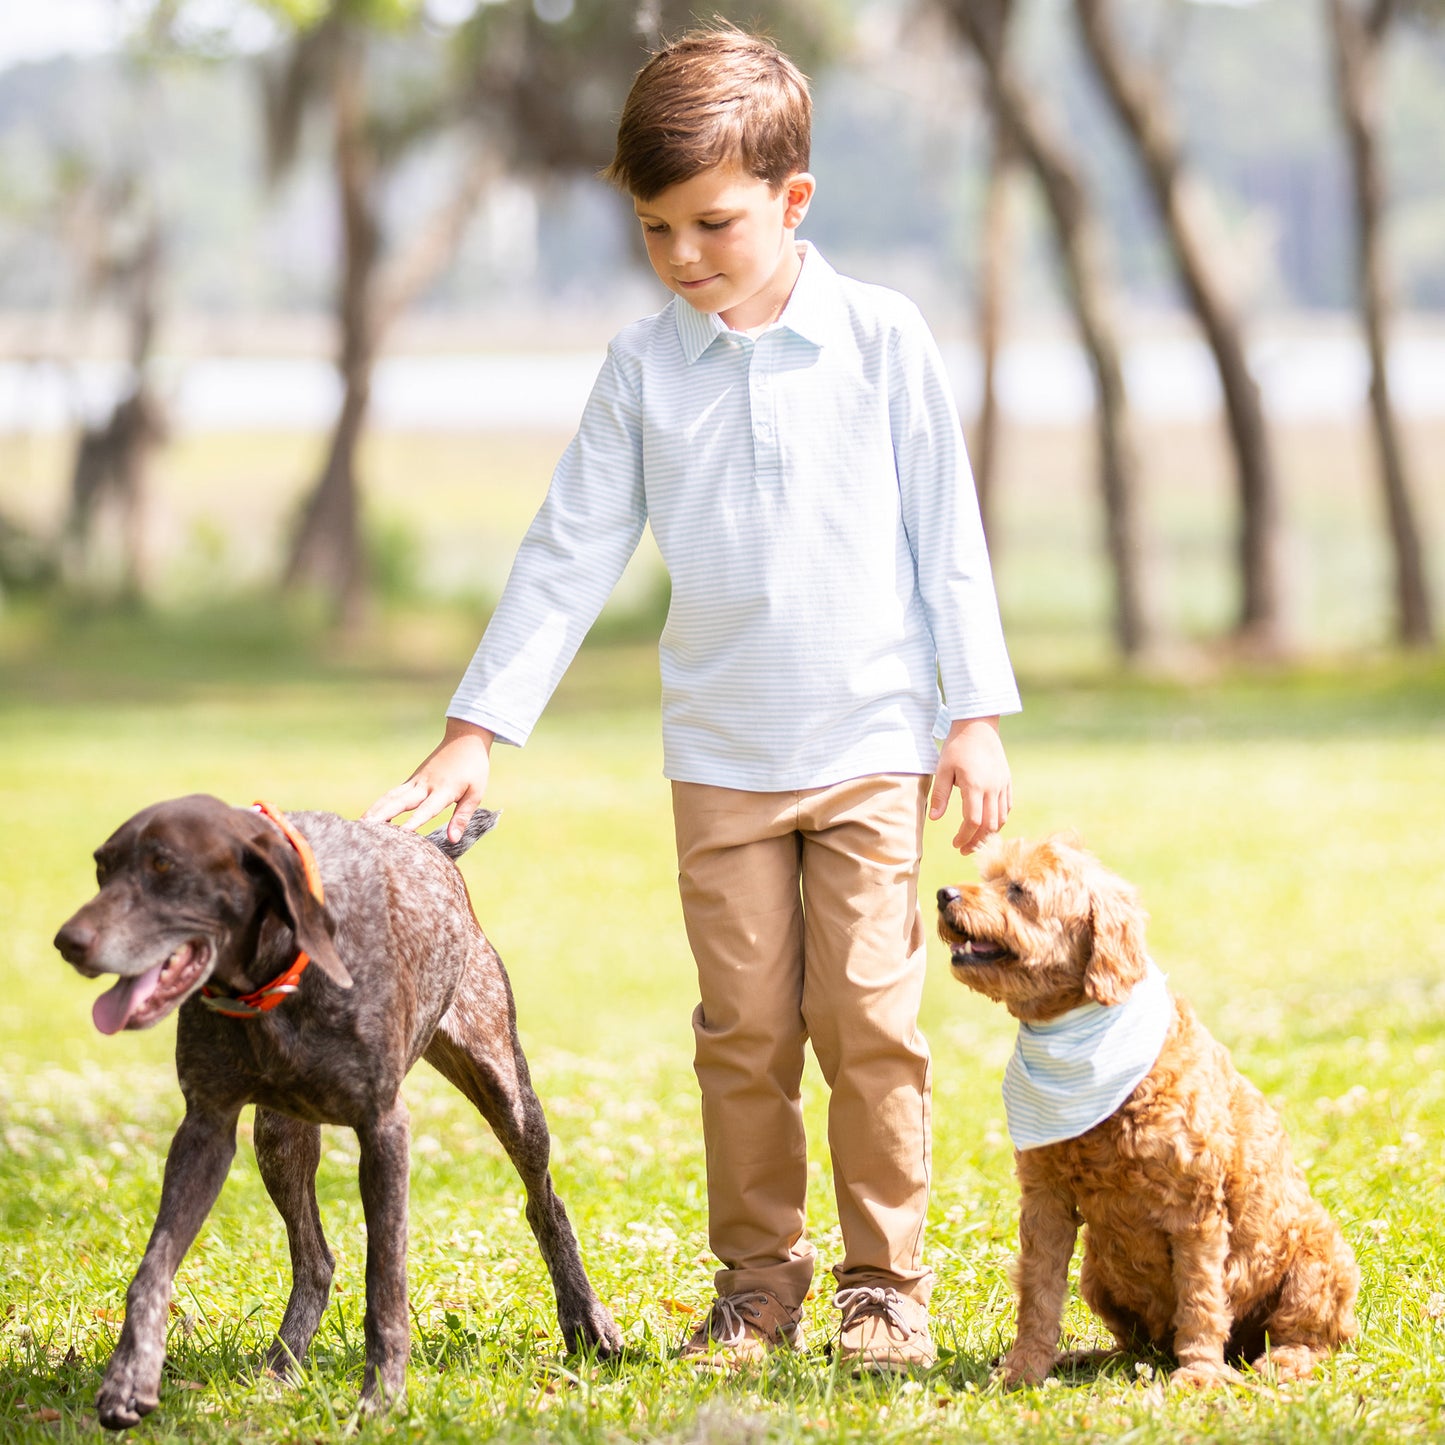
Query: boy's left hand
[972, 760]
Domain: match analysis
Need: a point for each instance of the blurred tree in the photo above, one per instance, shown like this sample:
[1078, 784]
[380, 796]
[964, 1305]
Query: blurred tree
[115, 236]
[1360, 31]
[101, 215]
[328, 66]
[997, 254]
[1024, 128]
[1142, 106]
[532, 85]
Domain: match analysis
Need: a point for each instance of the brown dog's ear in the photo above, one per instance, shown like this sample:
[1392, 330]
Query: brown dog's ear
[1118, 960]
[309, 919]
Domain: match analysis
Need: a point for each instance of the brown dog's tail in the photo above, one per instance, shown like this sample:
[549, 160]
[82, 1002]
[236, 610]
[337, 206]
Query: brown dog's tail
[482, 821]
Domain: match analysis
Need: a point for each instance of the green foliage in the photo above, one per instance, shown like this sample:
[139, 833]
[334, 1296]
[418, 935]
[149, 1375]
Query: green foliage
[1282, 830]
[383, 14]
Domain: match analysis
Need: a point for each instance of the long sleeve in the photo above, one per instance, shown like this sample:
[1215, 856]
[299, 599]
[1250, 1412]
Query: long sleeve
[570, 559]
[945, 532]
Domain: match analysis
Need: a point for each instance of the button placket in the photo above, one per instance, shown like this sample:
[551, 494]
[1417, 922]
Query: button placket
[762, 397]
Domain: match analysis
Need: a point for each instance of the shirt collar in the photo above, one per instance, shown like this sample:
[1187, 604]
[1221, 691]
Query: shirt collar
[810, 312]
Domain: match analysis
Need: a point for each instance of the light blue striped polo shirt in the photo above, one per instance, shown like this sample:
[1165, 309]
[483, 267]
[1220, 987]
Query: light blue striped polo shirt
[813, 503]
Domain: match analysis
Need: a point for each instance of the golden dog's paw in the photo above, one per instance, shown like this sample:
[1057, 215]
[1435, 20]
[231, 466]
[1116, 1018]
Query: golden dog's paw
[1204, 1376]
[1289, 1362]
[1024, 1367]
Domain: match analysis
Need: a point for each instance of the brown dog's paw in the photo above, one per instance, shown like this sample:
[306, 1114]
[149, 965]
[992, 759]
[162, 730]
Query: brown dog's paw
[594, 1331]
[120, 1404]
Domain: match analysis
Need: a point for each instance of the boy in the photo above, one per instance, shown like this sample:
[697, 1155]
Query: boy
[791, 438]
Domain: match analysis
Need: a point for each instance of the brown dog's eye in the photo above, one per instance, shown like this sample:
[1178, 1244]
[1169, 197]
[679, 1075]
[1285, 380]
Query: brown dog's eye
[161, 864]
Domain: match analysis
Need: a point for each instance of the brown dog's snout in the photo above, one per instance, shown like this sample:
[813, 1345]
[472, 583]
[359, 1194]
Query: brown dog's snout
[947, 896]
[75, 941]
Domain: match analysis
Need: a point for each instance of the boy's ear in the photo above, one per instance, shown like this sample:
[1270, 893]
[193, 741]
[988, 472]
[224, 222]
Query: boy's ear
[798, 190]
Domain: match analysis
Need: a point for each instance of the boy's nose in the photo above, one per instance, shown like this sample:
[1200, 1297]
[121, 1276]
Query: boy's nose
[683, 251]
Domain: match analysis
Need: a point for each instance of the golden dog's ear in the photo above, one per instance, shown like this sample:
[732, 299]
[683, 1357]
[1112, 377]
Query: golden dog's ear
[1118, 960]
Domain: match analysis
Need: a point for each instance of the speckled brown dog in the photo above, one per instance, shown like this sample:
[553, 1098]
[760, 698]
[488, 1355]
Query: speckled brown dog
[1201, 1237]
[199, 906]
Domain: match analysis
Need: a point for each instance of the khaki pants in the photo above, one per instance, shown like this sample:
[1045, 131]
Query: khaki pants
[802, 913]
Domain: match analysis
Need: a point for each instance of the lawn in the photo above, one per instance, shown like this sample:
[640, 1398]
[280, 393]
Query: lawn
[1285, 830]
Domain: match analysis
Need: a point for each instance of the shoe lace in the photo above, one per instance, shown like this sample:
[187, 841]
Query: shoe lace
[731, 1314]
[876, 1300]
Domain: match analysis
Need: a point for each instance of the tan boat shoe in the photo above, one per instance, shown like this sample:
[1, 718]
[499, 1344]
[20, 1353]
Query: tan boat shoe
[883, 1331]
[741, 1330]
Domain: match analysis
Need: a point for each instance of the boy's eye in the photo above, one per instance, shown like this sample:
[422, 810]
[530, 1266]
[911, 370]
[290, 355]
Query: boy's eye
[652, 230]
[715, 225]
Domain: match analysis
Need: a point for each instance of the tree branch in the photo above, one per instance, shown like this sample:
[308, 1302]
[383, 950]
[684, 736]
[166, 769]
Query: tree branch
[432, 247]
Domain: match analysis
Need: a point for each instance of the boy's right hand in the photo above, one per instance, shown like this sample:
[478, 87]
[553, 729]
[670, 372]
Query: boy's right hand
[456, 771]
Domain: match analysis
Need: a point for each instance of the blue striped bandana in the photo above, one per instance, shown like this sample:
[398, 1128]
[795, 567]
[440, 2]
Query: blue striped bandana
[1072, 1072]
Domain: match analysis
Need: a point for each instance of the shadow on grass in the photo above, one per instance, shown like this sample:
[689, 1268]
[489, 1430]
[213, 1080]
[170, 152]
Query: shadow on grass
[59, 656]
[64, 654]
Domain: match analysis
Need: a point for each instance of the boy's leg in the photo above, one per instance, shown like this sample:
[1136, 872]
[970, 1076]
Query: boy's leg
[864, 973]
[738, 858]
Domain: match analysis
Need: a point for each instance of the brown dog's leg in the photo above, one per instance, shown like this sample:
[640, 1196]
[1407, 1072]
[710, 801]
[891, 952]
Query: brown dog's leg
[476, 1049]
[1048, 1226]
[196, 1167]
[1202, 1316]
[287, 1153]
[385, 1168]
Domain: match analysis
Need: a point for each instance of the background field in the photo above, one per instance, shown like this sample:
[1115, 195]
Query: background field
[1284, 828]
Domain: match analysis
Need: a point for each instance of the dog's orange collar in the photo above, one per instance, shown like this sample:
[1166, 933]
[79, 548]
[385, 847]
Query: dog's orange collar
[265, 998]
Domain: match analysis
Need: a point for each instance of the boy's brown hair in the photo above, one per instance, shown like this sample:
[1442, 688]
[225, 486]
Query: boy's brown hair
[713, 96]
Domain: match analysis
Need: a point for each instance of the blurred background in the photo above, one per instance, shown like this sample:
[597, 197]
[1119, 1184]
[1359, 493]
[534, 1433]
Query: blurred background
[300, 300]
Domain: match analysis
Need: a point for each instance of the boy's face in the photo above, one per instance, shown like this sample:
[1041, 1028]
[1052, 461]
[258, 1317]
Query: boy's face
[723, 240]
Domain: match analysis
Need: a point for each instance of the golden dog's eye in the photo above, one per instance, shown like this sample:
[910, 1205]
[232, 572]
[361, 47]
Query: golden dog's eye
[1020, 896]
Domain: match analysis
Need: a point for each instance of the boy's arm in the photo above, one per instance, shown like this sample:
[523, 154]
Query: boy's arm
[940, 513]
[576, 548]
[574, 551]
[972, 760]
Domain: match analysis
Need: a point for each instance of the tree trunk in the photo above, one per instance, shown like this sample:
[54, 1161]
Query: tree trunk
[995, 265]
[984, 26]
[1359, 40]
[1146, 120]
[327, 553]
[112, 461]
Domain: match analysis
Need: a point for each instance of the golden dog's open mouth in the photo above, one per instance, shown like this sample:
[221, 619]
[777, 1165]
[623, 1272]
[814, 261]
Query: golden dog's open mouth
[970, 952]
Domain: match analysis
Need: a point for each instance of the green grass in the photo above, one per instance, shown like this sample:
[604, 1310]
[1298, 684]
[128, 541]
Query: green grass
[1285, 832]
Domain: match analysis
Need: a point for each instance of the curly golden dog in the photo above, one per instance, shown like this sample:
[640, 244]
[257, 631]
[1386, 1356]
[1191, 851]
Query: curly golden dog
[1201, 1237]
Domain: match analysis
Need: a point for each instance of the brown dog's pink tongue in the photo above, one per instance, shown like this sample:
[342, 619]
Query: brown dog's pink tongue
[119, 1002]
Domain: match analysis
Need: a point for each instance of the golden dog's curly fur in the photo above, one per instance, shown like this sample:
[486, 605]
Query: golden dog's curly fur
[1201, 1237]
